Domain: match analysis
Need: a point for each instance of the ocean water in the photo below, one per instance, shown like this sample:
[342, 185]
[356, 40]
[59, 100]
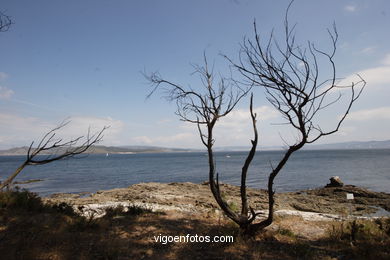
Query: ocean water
[305, 170]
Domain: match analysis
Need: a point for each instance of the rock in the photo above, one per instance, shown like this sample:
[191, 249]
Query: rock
[27, 181]
[335, 181]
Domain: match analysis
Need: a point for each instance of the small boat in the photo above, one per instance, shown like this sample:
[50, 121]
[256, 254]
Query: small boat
[228, 156]
[106, 154]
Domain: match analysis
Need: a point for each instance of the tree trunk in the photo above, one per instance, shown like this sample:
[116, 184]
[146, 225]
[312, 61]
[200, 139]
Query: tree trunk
[9, 180]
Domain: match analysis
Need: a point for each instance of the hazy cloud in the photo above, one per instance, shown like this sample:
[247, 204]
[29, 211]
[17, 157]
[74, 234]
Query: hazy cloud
[344, 45]
[345, 131]
[164, 121]
[185, 139]
[3, 75]
[238, 118]
[368, 50]
[80, 124]
[381, 113]
[350, 8]
[172, 139]
[234, 129]
[19, 130]
[5, 93]
[386, 60]
[16, 121]
[375, 77]
[144, 140]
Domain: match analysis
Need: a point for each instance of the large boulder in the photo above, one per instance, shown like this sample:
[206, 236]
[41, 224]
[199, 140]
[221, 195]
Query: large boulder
[335, 181]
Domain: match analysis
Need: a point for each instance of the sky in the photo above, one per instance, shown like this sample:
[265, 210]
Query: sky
[83, 61]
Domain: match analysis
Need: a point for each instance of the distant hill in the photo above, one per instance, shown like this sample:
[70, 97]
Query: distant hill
[246, 148]
[334, 146]
[351, 145]
[100, 149]
[15, 151]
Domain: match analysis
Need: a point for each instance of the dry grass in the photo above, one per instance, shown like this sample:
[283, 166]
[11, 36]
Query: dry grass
[32, 230]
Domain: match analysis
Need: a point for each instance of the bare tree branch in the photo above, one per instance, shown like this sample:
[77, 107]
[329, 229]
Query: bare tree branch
[58, 149]
[289, 74]
[205, 106]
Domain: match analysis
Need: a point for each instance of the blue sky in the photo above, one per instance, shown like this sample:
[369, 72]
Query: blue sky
[83, 60]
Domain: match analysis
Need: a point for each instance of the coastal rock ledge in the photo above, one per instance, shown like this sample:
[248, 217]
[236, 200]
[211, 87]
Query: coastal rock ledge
[326, 203]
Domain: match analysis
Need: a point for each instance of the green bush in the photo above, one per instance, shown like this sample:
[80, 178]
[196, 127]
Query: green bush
[20, 199]
[114, 211]
[286, 232]
[81, 224]
[361, 230]
[134, 210]
[64, 208]
[384, 225]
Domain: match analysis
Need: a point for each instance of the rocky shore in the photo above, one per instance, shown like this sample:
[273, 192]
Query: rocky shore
[326, 203]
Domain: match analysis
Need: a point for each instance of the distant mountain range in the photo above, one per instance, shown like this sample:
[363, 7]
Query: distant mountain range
[100, 149]
[334, 146]
[351, 145]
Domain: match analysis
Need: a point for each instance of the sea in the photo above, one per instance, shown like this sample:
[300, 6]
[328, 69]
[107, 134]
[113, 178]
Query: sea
[305, 170]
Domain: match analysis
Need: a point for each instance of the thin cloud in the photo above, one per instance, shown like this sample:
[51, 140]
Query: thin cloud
[3, 75]
[344, 45]
[386, 60]
[236, 128]
[6, 93]
[33, 104]
[144, 140]
[381, 113]
[346, 131]
[368, 50]
[19, 130]
[175, 138]
[164, 121]
[350, 8]
[376, 77]
[240, 117]
[184, 139]
[80, 124]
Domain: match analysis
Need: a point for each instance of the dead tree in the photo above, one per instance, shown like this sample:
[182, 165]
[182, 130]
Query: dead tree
[204, 106]
[292, 77]
[5, 22]
[50, 149]
[292, 82]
